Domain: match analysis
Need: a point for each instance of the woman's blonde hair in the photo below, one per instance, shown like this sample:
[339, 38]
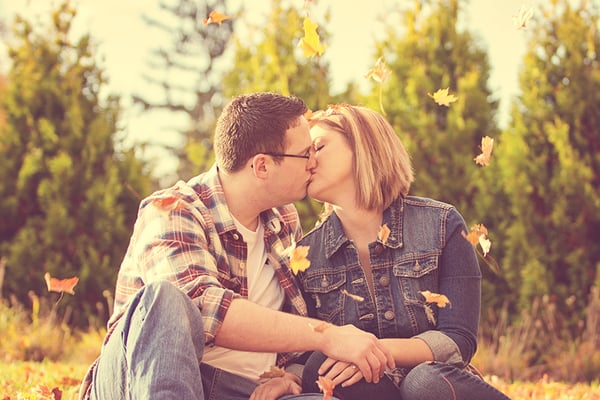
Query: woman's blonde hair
[381, 165]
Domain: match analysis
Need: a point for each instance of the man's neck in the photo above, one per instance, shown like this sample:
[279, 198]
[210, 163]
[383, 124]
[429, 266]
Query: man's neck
[241, 198]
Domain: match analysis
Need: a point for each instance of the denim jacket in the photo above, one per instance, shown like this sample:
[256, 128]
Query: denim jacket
[425, 250]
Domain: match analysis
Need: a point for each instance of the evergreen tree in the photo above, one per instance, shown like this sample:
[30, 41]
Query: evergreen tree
[68, 198]
[425, 50]
[550, 161]
[274, 63]
[429, 52]
[191, 77]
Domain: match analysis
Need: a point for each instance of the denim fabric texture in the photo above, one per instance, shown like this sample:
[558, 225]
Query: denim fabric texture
[425, 251]
[162, 329]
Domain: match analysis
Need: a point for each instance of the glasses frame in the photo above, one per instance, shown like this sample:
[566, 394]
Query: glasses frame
[305, 156]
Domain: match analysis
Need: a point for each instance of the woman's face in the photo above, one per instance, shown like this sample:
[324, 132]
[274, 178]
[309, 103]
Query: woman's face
[332, 180]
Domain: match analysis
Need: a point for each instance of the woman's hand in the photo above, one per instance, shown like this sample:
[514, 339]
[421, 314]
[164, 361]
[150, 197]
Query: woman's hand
[340, 372]
[274, 388]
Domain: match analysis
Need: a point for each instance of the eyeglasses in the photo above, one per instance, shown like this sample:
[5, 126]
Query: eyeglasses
[312, 150]
[305, 156]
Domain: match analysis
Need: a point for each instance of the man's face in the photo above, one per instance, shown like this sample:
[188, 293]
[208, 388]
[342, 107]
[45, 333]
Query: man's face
[292, 175]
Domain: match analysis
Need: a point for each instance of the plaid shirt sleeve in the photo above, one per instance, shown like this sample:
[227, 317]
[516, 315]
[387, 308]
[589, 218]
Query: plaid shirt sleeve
[170, 242]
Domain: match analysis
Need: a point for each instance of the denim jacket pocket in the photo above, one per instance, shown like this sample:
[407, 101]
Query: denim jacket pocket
[417, 273]
[325, 290]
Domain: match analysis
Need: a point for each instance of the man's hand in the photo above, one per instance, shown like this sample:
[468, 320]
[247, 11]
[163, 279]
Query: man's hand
[363, 349]
[274, 388]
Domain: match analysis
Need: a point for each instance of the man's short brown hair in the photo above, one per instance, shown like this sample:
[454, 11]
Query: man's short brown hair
[254, 123]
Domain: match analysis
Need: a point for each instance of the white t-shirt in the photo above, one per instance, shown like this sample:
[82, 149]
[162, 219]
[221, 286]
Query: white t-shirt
[263, 289]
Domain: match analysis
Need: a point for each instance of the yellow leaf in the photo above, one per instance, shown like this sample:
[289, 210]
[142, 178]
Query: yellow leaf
[321, 327]
[442, 98]
[487, 145]
[439, 299]
[478, 235]
[384, 233]
[311, 43]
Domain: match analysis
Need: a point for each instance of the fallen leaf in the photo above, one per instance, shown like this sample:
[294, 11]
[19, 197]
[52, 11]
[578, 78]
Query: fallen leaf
[354, 297]
[60, 285]
[214, 17]
[478, 235]
[380, 72]
[273, 372]
[384, 233]
[297, 256]
[311, 43]
[442, 98]
[439, 299]
[326, 386]
[522, 17]
[321, 327]
[487, 145]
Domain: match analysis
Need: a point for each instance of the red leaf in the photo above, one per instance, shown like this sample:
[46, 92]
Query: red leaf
[61, 285]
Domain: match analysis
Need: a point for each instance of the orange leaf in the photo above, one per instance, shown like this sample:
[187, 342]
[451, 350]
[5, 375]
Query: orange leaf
[442, 98]
[380, 72]
[311, 43]
[60, 285]
[384, 233]
[321, 327]
[487, 145]
[326, 386]
[439, 299]
[478, 235]
[273, 372]
[214, 17]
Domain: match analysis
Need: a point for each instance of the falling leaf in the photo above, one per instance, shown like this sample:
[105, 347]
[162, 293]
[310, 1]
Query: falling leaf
[273, 372]
[442, 98]
[326, 386]
[522, 17]
[214, 17]
[61, 285]
[430, 314]
[380, 72]
[478, 235]
[439, 299]
[311, 43]
[384, 233]
[321, 327]
[354, 297]
[297, 256]
[487, 145]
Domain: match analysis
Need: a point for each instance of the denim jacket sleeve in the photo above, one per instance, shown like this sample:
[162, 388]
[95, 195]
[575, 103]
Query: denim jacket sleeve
[455, 338]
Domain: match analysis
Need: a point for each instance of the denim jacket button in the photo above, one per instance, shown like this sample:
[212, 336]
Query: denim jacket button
[379, 248]
[389, 315]
[384, 280]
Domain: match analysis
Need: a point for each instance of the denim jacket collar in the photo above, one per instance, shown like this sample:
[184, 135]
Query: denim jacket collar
[335, 238]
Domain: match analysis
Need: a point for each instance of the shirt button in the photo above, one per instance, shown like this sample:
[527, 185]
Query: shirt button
[389, 315]
[379, 248]
[384, 280]
[235, 236]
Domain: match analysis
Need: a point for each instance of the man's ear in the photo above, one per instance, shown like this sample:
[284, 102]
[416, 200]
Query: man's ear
[260, 164]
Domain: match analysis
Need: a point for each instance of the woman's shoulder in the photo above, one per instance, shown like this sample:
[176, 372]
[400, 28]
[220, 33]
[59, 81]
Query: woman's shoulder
[418, 201]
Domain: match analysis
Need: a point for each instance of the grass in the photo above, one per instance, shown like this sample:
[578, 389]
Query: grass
[27, 380]
[41, 358]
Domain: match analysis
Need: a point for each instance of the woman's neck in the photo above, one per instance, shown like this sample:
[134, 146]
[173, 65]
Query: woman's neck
[360, 225]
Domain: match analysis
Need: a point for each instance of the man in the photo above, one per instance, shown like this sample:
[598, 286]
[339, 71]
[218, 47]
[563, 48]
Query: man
[205, 300]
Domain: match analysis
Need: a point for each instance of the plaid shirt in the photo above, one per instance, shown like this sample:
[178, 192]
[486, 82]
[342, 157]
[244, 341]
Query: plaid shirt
[186, 235]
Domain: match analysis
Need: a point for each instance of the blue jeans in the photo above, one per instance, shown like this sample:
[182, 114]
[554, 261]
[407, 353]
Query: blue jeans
[155, 353]
[426, 381]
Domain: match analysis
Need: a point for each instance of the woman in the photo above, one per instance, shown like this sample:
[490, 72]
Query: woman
[375, 255]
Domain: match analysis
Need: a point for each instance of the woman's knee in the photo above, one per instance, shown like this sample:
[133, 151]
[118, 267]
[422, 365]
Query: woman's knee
[426, 382]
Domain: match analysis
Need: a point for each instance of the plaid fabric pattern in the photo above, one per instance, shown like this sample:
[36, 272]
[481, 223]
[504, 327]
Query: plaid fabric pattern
[185, 234]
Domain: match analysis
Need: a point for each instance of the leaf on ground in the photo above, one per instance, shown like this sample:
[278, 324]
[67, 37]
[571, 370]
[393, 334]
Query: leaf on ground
[214, 17]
